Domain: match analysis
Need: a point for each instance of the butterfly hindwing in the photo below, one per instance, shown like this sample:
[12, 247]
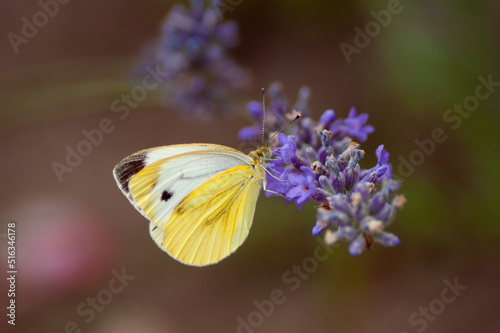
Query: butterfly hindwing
[214, 219]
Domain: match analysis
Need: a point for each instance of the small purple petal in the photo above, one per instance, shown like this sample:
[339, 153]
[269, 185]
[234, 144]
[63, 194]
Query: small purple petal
[317, 229]
[255, 110]
[357, 246]
[327, 118]
[249, 133]
[386, 238]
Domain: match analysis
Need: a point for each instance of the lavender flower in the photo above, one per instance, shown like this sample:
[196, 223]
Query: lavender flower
[320, 162]
[202, 78]
[354, 126]
[302, 186]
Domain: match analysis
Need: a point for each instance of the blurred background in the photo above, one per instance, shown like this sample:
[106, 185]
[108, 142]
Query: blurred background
[76, 234]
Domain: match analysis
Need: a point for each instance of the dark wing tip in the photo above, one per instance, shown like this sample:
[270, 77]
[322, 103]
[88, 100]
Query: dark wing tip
[127, 168]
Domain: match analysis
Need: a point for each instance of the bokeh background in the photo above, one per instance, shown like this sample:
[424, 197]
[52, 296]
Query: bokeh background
[72, 235]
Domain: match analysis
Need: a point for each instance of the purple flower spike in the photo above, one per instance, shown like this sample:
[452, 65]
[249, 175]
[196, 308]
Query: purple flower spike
[199, 78]
[321, 161]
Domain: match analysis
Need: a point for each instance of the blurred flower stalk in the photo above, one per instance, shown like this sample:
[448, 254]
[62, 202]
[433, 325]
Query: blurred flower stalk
[203, 79]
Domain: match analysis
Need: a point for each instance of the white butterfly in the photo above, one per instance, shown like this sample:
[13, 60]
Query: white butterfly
[199, 198]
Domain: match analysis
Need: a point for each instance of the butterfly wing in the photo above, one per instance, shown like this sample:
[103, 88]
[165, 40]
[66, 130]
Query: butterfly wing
[156, 180]
[200, 198]
[214, 219]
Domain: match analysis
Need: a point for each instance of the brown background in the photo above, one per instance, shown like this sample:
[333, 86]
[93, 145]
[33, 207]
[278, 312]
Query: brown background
[72, 234]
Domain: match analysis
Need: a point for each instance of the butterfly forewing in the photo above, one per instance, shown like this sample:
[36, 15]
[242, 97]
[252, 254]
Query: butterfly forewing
[158, 187]
[124, 171]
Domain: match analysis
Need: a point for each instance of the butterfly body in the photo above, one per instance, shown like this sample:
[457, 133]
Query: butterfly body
[199, 198]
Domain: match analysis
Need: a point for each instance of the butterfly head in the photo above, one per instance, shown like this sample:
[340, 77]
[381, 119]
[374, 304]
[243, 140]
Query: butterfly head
[258, 155]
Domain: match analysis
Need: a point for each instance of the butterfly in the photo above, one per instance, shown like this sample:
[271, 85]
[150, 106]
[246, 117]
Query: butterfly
[199, 198]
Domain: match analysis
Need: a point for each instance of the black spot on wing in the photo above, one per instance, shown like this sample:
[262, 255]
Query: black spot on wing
[166, 195]
[128, 168]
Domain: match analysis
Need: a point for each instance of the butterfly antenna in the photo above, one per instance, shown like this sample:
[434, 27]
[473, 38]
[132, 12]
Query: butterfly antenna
[263, 113]
[296, 115]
